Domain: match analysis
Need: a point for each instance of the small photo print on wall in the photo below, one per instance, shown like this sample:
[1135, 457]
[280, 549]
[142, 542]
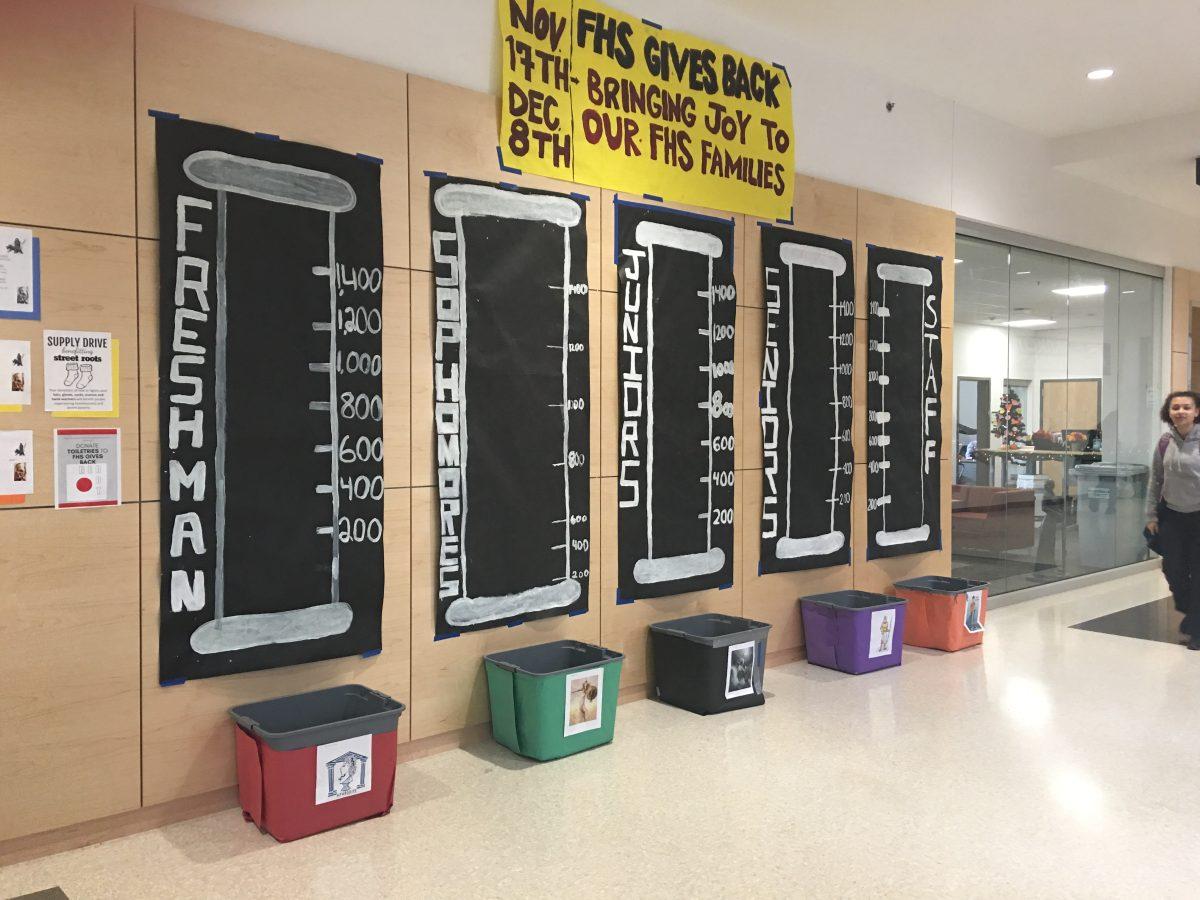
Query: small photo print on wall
[883, 629]
[343, 769]
[739, 670]
[973, 618]
[585, 696]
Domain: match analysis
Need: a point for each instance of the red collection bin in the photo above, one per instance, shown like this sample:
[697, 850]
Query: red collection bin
[311, 762]
[944, 613]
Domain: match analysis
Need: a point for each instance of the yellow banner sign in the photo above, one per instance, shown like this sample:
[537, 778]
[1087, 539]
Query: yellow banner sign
[597, 96]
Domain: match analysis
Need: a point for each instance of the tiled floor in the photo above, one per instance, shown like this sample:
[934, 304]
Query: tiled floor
[1052, 762]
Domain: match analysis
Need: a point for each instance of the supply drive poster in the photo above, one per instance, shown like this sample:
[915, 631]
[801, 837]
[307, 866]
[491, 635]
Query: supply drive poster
[16, 463]
[87, 467]
[19, 289]
[77, 371]
[15, 375]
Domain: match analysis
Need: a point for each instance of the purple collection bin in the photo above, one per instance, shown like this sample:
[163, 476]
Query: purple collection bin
[853, 631]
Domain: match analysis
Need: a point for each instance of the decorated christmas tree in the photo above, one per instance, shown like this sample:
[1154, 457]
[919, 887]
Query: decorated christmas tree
[1008, 422]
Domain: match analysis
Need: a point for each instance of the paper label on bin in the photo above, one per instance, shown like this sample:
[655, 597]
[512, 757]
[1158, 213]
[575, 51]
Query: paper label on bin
[739, 670]
[582, 710]
[973, 617]
[883, 628]
[343, 769]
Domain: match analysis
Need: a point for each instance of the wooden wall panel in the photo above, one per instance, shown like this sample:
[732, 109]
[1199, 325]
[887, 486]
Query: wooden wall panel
[214, 73]
[1180, 372]
[68, 667]
[624, 627]
[66, 87]
[820, 207]
[88, 284]
[187, 737]
[396, 354]
[449, 690]
[1185, 293]
[454, 131]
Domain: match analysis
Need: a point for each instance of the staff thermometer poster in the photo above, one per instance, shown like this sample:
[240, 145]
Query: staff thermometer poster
[602, 97]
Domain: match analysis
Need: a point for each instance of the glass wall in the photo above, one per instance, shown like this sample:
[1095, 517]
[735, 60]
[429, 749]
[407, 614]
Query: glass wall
[1056, 396]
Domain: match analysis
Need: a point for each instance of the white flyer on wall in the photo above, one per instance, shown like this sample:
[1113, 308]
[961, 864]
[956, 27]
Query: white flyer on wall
[87, 467]
[15, 373]
[16, 463]
[18, 274]
[343, 768]
[77, 371]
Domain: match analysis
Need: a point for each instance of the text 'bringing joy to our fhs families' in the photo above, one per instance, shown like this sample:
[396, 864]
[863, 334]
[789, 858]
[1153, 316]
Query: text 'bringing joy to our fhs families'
[604, 98]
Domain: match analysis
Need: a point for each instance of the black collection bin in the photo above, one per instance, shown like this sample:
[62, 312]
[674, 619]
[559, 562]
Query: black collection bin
[709, 663]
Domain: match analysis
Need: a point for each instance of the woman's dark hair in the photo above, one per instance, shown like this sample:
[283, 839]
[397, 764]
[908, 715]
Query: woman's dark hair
[1165, 412]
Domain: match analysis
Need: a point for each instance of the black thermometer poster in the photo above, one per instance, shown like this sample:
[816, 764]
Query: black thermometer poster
[270, 402]
[805, 402]
[511, 417]
[676, 305]
[904, 383]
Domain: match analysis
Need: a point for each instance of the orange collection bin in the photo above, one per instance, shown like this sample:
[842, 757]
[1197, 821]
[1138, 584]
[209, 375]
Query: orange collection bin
[944, 613]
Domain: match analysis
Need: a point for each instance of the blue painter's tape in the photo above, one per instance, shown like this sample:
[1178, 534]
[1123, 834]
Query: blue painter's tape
[651, 24]
[725, 587]
[503, 168]
[760, 571]
[429, 173]
[760, 398]
[623, 601]
[582, 198]
[507, 185]
[172, 682]
[516, 623]
[371, 653]
[159, 114]
[653, 197]
[446, 636]
[263, 136]
[578, 612]
[371, 159]
[791, 217]
[762, 224]
[782, 69]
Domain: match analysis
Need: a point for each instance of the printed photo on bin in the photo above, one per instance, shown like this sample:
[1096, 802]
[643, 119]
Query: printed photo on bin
[739, 671]
[973, 617]
[883, 628]
[583, 701]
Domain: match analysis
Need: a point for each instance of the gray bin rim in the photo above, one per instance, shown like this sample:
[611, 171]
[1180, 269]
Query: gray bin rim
[500, 658]
[741, 629]
[381, 720]
[937, 584]
[837, 599]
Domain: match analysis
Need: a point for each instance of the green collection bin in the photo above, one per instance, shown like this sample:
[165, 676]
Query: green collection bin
[553, 699]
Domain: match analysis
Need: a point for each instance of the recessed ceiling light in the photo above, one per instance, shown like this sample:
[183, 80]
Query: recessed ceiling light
[1099, 74]
[1128, 292]
[1026, 272]
[957, 261]
[1082, 290]
[1029, 323]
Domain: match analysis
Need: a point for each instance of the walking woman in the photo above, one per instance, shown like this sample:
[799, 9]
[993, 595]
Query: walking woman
[1173, 506]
